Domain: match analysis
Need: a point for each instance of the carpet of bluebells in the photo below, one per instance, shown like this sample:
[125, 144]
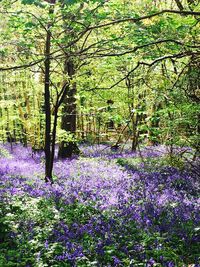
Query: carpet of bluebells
[105, 208]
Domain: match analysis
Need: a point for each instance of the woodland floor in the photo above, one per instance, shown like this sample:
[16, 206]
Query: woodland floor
[105, 208]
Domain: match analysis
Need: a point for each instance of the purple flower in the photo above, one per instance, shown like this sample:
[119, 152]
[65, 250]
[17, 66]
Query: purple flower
[46, 244]
[94, 203]
[150, 262]
[116, 261]
[170, 264]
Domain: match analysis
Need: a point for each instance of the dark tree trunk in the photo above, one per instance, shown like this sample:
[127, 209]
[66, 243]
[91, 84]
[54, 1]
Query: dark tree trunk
[48, 167]
[135, 120]
[198, 136]
[49, 145]
[54, 137]
[68, 121]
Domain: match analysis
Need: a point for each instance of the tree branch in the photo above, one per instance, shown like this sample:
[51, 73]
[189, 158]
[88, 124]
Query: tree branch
[157, 60]
[22, 66]
[96, 54]
[179, 5]
[180, 12]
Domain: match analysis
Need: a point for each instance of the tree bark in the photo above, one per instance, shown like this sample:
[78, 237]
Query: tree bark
[68, 120]
[48, 173]
[179, 5]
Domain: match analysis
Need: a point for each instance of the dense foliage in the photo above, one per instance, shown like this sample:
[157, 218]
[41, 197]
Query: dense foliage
[142, 58]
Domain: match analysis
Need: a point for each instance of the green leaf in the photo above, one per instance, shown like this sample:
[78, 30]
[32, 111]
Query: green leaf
[28, 2]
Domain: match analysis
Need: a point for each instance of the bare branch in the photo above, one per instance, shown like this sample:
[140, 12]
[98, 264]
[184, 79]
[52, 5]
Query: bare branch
[179, 5]
[22, 66]
[180, 55]
[134, 20]
[96, 54]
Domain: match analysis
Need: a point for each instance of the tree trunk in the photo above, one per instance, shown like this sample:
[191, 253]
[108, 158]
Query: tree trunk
[53, 143]
[135, 120]
[68, 120]
[48, 168]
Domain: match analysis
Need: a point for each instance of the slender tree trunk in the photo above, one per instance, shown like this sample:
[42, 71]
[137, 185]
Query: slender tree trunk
[135, 120]
[198, 135]
[54, 137]
[48, 142]
[48, 168]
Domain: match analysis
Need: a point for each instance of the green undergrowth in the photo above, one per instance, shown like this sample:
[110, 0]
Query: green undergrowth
[151, 164]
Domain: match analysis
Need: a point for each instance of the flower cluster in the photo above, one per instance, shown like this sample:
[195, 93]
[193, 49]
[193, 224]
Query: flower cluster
[97, 213]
